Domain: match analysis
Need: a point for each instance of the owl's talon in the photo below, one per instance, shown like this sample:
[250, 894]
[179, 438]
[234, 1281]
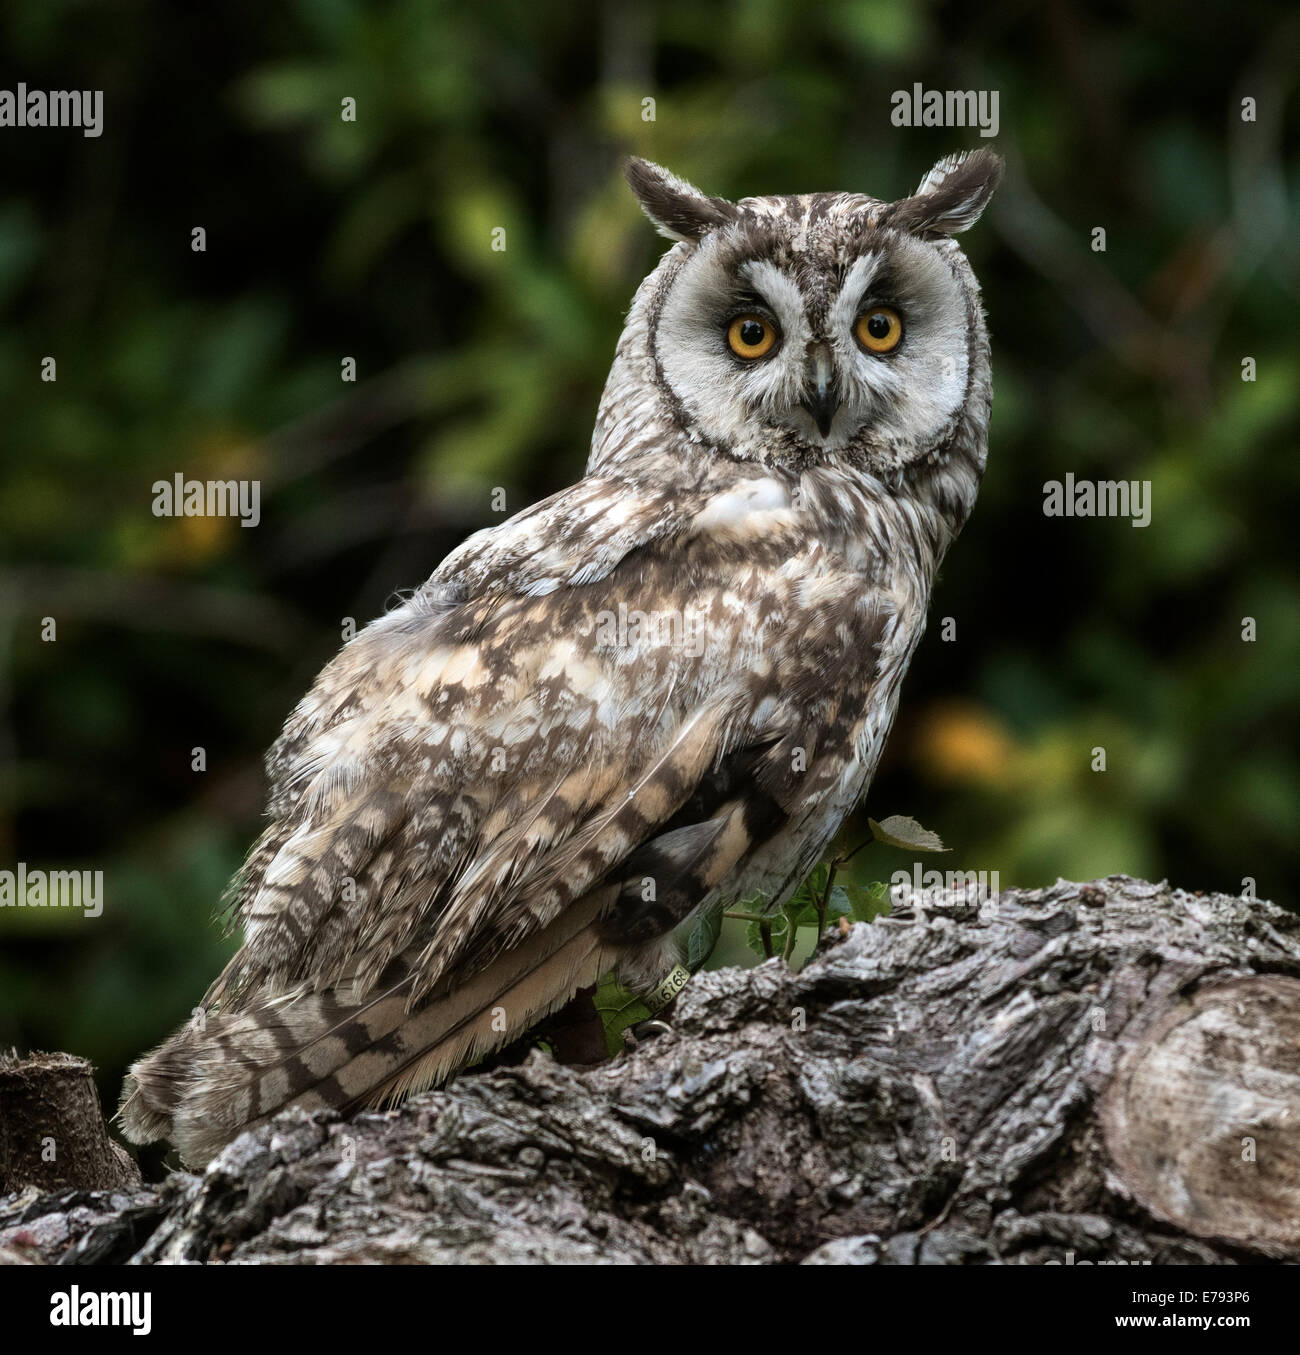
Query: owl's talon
[645, 1031]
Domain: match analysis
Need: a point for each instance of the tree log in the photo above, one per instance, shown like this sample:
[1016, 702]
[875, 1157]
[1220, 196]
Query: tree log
[1106, 1072]
[52, 1131]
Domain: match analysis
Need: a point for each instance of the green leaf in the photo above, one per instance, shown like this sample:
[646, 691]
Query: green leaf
[839, 904]
[808, 916]
[802, 898]
[704, 936]
[900, 831]
[815, 884]
[618, 1011]
[868, 902]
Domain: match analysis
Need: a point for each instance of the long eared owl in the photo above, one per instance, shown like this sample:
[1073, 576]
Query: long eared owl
[657, 691]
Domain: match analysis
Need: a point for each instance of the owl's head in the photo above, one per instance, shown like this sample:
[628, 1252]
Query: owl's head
[822, 327]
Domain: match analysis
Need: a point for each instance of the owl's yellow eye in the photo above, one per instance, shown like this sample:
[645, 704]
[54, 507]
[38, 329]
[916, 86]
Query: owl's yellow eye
[751, 336]
[879, 329]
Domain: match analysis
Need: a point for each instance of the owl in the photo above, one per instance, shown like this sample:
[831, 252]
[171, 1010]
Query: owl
[656, 692]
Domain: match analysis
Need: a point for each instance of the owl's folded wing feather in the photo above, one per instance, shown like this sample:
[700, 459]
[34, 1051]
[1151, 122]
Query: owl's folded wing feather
[464, 770]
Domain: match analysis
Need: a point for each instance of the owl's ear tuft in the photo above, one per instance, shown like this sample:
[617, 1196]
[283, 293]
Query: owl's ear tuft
[679, 210]
[951, 196]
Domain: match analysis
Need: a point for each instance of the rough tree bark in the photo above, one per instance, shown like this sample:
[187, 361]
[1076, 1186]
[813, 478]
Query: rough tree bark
[1110, 1070]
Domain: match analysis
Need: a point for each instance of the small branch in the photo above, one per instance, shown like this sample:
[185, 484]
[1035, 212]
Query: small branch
[824, 903]
[845, 857]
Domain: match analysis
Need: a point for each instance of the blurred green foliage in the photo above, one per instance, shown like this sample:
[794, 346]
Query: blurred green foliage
[482, 368]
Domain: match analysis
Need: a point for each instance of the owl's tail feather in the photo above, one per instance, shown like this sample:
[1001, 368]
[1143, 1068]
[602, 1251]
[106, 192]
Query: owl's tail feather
[202, 1087]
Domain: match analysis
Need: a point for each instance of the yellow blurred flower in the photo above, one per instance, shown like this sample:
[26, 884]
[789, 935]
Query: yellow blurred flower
[964, 742]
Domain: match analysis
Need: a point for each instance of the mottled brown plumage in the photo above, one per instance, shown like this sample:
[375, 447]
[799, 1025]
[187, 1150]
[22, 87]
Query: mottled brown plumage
[656, 691]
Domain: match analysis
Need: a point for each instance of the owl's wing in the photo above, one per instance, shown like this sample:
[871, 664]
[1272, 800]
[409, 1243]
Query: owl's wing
[574, 537]
[490, 752]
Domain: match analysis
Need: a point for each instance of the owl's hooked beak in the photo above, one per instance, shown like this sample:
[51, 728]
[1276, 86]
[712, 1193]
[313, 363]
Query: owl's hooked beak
[823, 396]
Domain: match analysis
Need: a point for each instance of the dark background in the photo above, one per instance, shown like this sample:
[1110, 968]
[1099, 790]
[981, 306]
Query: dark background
[479, 369]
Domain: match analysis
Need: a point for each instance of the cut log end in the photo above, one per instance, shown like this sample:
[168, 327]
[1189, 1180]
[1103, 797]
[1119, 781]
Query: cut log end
[1203, 1120]
[52, 1130]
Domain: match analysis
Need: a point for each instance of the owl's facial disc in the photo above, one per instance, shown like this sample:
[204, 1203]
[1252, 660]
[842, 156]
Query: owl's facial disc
[807, 354]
